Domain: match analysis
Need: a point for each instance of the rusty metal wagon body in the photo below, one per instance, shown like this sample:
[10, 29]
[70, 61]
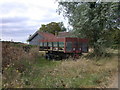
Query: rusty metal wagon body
[63, 47]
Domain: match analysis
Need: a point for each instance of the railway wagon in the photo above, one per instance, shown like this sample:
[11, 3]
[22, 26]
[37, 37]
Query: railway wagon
[60, 48]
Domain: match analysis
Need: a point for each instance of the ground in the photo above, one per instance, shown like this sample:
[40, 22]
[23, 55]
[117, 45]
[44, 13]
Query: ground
[30, 70]
[114, 83]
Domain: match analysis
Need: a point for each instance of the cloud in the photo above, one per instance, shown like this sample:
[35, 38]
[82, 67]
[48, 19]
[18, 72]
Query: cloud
[13, 19]
[49, 18]
[20, 18]
[17, 30]
[17, 34]
[10, 6]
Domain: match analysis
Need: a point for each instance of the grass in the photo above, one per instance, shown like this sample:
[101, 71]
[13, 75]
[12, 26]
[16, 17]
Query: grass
[15, 78]
[41, 62]
[41, 73]
[67, 74]
[64, 74]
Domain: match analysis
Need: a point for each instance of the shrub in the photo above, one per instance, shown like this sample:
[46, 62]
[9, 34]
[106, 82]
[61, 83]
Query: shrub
[16, 61]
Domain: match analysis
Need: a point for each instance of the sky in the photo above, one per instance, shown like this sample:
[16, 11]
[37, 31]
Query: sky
[21, 18]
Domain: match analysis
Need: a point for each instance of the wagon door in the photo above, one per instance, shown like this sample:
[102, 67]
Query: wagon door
[76, 47]
[68, 46]
[84, 47]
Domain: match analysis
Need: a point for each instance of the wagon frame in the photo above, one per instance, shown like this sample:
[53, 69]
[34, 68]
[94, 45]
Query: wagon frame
[60, 48]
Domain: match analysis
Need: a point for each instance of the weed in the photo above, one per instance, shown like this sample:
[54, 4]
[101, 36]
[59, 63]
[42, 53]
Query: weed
[30, 70]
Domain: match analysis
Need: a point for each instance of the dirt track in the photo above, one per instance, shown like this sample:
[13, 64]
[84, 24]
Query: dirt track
[114, 83]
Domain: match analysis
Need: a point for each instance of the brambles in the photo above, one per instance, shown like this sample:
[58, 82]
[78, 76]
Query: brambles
[15, 62]
[29, 70]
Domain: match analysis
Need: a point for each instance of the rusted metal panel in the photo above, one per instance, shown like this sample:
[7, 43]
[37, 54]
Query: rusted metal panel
[70, 45]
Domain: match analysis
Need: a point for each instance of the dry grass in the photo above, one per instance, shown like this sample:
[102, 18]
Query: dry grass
[16, 61]
[86, 73]
[29, 70]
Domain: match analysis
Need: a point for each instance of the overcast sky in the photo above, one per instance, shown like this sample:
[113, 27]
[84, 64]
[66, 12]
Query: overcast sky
[20, 18]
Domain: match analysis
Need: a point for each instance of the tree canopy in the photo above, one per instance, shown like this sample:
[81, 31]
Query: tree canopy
[53, 27]
[96, 21]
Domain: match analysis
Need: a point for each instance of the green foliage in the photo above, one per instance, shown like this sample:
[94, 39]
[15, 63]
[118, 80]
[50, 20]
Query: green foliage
[116, 36]
[53, 27]
[30, 70]
[98, 22]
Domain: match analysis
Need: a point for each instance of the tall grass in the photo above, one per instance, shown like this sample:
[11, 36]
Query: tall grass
[19, 67]
[30, 70]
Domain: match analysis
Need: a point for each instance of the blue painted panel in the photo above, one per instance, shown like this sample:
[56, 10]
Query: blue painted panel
[35, 40]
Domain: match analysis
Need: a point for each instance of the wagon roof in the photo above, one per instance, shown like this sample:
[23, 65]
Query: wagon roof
[45, 35]
[64, 34]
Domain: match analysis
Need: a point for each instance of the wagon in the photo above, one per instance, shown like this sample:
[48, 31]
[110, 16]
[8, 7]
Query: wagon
[60, 48]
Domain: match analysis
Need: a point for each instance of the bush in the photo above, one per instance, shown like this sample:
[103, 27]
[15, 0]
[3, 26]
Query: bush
[34, 52]
[15, 62]
[116, 46]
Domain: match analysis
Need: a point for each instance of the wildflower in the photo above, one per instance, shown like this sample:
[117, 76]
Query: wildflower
[4, 85]
[17, 71]
[8, 65]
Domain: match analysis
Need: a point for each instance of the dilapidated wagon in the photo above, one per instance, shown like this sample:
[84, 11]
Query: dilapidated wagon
[59, 48]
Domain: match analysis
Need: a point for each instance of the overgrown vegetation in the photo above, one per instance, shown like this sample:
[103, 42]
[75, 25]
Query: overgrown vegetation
[97, 21]
[18, 64]
[30, 70]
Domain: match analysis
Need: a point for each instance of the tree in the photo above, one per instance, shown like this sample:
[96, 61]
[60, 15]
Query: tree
[52, 27]
[93, 20]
